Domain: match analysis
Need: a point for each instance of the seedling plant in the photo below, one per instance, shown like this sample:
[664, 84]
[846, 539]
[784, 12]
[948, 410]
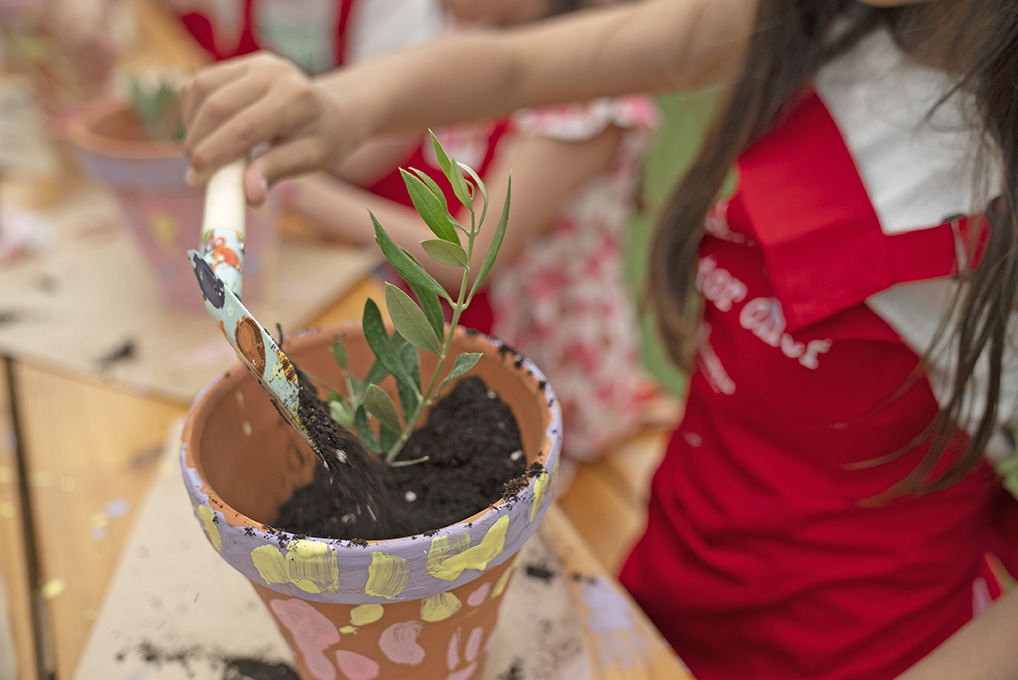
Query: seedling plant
[367, 409]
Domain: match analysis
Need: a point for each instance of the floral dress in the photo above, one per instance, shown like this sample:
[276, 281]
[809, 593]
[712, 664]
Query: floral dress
[563, 301]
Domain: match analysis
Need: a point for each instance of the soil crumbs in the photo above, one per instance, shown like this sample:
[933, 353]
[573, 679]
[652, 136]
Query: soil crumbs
[475, 458]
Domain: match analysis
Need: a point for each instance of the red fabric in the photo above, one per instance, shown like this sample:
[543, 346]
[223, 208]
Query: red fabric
[816, 236]
[760, 558]
[200, 26]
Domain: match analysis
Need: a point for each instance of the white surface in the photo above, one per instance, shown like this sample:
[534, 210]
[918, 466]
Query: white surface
[91, 293]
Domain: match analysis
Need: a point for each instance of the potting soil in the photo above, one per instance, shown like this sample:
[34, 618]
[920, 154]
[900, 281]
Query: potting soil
[475, 458]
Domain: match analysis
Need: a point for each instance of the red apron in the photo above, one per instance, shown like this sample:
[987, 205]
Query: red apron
[759, 560]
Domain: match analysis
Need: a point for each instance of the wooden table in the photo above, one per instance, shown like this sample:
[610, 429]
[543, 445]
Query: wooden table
[70, 443]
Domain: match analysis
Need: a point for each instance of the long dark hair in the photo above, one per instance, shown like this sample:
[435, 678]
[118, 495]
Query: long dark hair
[975, 39]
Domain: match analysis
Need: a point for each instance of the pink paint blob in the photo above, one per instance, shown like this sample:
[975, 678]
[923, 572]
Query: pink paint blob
[312, 633]
[452, 654]
[356, 666]
[479, 596]
[474, 643]
[399, 643]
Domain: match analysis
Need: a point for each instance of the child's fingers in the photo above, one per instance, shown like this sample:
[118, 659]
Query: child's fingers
[284, 160]
[201, 86]
[227, 124]
[273, 119]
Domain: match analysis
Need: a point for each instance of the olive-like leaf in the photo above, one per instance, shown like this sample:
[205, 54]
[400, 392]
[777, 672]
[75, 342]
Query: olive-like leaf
[356, 387]
[409, 396]
[432, 210]
[408, 267]
[341, 413]
[496, 241]
[387, 437]
[432, 309]
[480, 187]
[378, 340]
[435, 189]
[364, 431]
[339, 353]
[463, 363]
[452, 173]
[380, 404]
[446, 253]
[410, 321]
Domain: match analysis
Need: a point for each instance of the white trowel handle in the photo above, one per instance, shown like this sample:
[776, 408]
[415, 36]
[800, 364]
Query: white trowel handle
[223, 223]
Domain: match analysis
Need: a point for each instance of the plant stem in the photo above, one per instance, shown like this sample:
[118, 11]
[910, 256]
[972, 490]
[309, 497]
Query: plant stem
[461, 303]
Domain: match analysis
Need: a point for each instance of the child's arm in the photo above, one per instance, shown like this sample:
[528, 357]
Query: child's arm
[311, 124]
[986, 648]
[545, 173]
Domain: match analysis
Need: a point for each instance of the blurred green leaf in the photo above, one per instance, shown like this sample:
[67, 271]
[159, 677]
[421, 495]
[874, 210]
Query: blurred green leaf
[496, 241]
[380, 405]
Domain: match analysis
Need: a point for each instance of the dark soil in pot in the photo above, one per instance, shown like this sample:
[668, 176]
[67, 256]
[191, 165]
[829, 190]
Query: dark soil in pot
[475, 458]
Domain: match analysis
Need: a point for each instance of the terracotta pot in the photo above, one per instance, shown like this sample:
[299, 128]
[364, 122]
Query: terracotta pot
[422, 606]
[147, 177]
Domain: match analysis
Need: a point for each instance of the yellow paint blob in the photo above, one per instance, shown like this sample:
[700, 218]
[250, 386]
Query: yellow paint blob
[313, 566]
[439, 607]
[348, 630]
[270, 564]
[366, 613]
[387, 575]
[309, 565]
[540, 488]
[246, 428]
[503, 581]
[209, 517]
[449, 556]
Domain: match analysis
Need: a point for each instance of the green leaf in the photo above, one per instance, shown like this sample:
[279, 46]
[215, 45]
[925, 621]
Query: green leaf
[410, 321]
[496, 241]
[341, 413]
[452, 173]
[364, 431]
[378, 340]
[376, 374]
[432, 309]
[356, 388]
[387, 437]
[339, 353]
[432, 210]
[446, 253]
[380, 405]
[480, 187]
[463, 363]
[409, 398]
[408, 267]
[435, 189]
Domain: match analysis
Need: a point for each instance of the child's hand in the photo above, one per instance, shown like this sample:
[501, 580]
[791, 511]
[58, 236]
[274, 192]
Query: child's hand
[258, 100]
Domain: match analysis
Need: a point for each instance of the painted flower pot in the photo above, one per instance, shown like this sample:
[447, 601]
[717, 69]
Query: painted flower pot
[422, 606]
[147, 177]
